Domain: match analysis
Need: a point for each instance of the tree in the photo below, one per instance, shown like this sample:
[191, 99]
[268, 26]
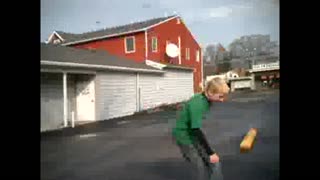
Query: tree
[210, 54]
[217, 55]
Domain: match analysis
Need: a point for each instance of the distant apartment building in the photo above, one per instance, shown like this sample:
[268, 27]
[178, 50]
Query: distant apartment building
[275, 50]
[215, 54]
[253, 45]
[249, 50]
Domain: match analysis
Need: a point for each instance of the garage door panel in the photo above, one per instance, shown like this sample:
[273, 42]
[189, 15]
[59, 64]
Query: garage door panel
[116, 94]
[51, 101]
[172, 87]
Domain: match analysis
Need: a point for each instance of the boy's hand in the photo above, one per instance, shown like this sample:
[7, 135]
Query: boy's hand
[214, 158]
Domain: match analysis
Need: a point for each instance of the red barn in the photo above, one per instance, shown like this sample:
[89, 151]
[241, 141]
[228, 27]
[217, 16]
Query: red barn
[142, 41]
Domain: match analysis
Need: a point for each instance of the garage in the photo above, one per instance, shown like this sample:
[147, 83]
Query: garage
[178, 84]
[117, 92]
[78, 105]
[81, 86]
[175, 85]
[51, 101]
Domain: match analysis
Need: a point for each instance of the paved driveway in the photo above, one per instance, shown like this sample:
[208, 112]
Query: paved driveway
[140, 147]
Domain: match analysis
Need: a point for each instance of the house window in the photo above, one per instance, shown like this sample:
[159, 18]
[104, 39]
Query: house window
[130, 44]
[187, 53]
[154, 44]
[198, 55]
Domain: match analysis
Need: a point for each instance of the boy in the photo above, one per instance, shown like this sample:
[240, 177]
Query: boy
[188, 135]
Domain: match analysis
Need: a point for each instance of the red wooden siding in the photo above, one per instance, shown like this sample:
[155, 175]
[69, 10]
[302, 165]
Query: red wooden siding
[116, 46]
[167, 31]
[170, 31]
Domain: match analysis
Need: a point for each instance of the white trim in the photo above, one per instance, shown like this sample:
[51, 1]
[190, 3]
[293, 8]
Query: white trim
[188, 54]
[197, 56]
[118, 34]
[162, 66]
[46, 70]
[162, 22]
[179, 43]
[201, 61]
[154, 37]
[137, 93]
[51, 36]
[154, 64]
[134, 44]
[79, 65]
[65, 100]
[59, 36]
[102, 37]
[182, 22]
[146, 43]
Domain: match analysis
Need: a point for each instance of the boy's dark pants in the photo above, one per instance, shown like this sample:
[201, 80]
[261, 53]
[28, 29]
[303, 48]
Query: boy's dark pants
[197, 155]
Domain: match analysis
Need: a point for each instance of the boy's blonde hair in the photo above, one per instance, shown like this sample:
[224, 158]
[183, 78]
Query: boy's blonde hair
[217, 85]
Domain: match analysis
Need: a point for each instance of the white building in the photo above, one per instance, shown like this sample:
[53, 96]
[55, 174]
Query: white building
[87, 85]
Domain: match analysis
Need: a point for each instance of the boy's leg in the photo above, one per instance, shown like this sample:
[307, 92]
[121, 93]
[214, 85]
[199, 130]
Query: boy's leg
[213, 170]
[191, 154]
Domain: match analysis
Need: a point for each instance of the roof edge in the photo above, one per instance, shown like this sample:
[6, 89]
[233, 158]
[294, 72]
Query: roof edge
[178, 67]
[95, 66]
[118, 34]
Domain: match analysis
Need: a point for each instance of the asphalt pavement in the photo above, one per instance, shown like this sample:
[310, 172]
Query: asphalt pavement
[140, 147]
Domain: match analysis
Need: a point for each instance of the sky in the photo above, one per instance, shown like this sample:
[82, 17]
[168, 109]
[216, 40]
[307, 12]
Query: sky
[210, 21]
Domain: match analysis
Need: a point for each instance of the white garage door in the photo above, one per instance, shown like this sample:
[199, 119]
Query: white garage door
[151, 90]
[115, 94]
[178, 85]
[51, 101]
[172, 87]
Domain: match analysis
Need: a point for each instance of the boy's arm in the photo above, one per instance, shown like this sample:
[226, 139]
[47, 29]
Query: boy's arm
[202, 140]
[196, 121]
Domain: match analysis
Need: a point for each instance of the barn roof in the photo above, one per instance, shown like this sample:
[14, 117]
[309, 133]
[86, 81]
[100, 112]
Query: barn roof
[70, 38]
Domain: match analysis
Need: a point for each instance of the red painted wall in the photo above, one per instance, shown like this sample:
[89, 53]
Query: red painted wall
[116, 46]
[170, 31]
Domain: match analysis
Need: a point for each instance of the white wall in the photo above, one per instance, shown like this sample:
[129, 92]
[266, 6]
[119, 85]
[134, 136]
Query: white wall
[51, 101]
[172, 87]
[115, 94]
